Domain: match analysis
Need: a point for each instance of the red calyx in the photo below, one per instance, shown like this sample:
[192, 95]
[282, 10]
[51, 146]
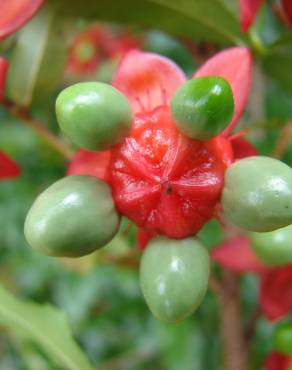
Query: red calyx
[165, 182]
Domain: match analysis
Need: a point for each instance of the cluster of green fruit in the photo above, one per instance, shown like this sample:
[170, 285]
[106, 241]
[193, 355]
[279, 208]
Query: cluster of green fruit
[77, 214]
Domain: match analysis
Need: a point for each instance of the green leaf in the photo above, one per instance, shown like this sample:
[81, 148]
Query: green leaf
[200, 19]
[163, 44]
[38, 59]
[46, 326]
[278, 66]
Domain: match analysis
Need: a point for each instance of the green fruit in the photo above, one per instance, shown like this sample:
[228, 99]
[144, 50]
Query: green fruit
[174, 277]
[202, 107]
[72, 218]
[257, 195]
[282, 338]
[274, 247]
[94, 115]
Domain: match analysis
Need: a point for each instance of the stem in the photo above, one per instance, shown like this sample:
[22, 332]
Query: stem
[257, 43]
[227, 291]
[284, 139]
[24, 116]
[250, 328]
[131, 359]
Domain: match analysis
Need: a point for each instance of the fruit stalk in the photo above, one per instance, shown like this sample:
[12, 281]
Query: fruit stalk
[283, 141]
[234, 345]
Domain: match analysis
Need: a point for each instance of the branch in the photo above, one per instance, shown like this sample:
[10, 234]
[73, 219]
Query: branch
[130, 359]
[235, 350]
[250, 327]
[24, 116]
[284, 139]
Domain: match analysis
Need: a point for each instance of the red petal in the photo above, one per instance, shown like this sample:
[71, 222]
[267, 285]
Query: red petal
[15, 13]
[8, 168]
[147, 79]
[3, 72]
[237, 255]
[242, 148]
[276, 293]
[89, 163]
[235, 65]
[277, 361]
[248, 10]
[143, 238]
[287, 6]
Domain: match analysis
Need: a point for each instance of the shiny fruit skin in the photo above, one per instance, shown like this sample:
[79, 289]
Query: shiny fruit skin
[257, 194]
[202, 107]
[174, 277]
[274, 247]
[73, 217]
[165, 182]
[94, 115]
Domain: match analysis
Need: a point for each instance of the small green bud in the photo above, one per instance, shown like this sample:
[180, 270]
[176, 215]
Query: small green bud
[257, 194]
[274, 247]
[202, 107]
[174, 277]
[73, 217]
[94, 115]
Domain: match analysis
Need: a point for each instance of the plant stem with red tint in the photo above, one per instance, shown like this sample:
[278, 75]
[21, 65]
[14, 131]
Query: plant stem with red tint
[235, 351]
[284, 139]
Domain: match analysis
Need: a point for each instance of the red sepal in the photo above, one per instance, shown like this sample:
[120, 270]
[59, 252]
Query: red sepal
[248, 10]
[89, 163]
[237, 255]
[8, 168]
[242, 148]
[278, 361]
[147, 79]
[287, 7]
[143, 238]
[276, 293]
[15, 13]
[3, 73]
[235, 65]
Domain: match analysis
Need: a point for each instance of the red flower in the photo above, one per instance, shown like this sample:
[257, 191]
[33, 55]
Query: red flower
[163, 181]
[248, 10]
[277, 361]
[275, 296]
[237, 255]
[89, 163]
[8, 168]
[3, 73]
[287, 8]
[15, 13]
[97, 44]
[276, 292]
